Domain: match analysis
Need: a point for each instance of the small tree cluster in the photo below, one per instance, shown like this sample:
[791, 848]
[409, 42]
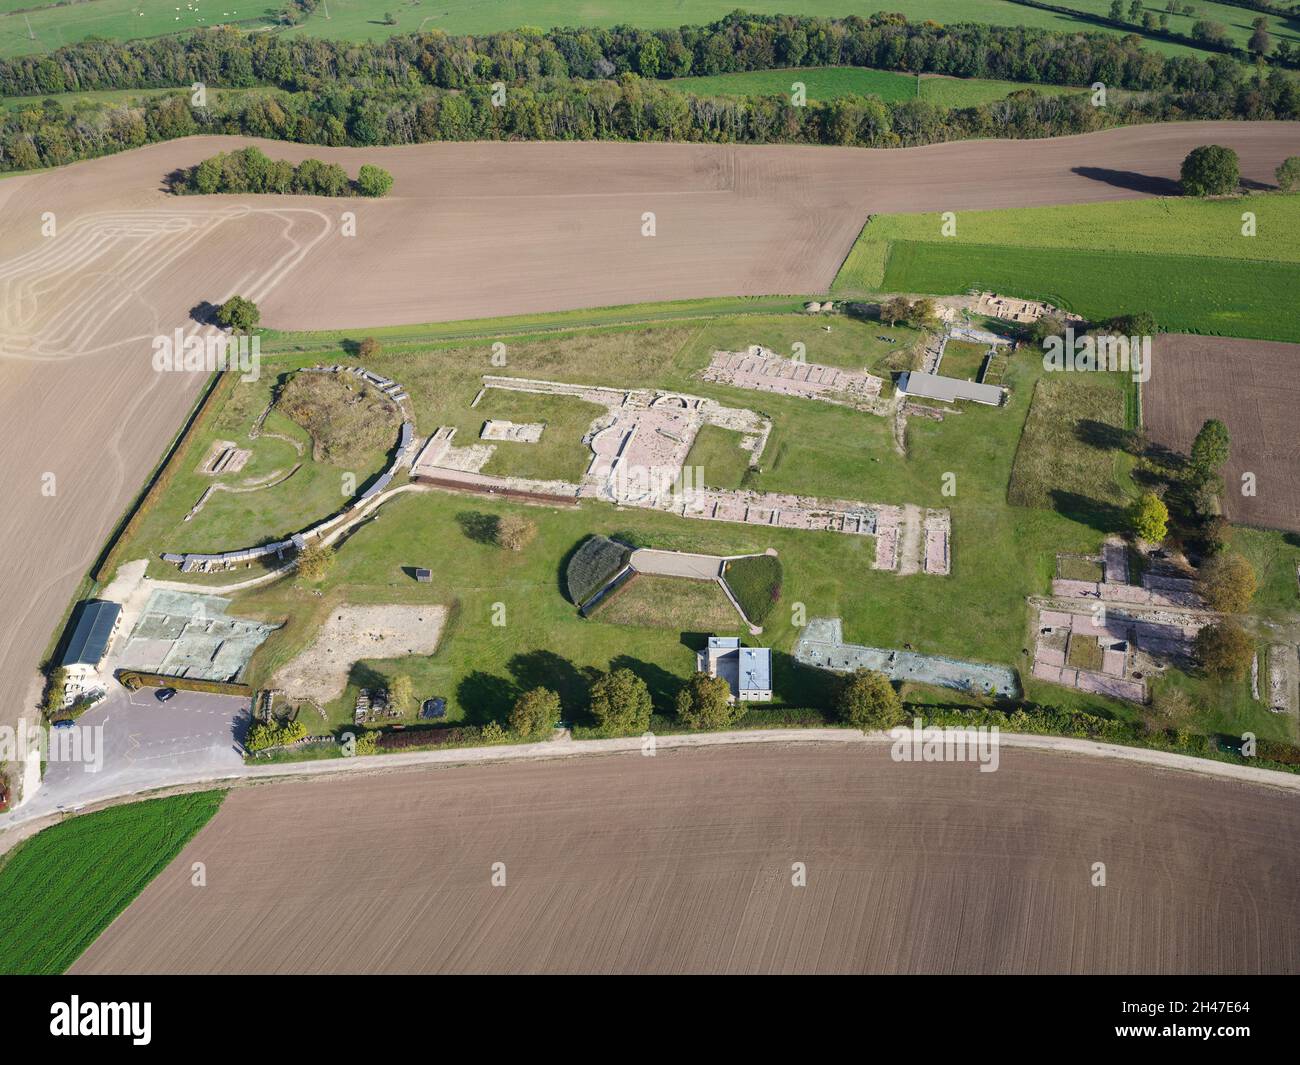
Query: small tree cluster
[1225, 650]
[705, 703]
[262, 736]
[535, 713]
[867, 700]
[1227, 583]
[620, 702]
[920, 314]
[249, 170]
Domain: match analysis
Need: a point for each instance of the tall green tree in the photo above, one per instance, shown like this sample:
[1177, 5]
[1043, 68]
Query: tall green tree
[1210, 170]
[620, 702]
[867, 700]
[1211, 447]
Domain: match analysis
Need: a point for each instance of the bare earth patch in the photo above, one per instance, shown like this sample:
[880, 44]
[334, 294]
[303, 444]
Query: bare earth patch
[682, 863]
[352, 633]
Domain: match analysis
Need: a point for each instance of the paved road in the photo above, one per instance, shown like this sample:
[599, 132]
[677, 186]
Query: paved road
[145, 744]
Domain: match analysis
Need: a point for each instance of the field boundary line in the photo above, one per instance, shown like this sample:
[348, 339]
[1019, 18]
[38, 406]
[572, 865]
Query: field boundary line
[14, 827]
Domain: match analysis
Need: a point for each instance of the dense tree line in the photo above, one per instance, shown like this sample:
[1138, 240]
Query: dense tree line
[378, 94]
[627, 109]
[226, 57]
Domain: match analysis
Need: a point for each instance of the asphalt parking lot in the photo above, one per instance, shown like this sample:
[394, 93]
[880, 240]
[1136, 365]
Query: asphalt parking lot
[146, 744]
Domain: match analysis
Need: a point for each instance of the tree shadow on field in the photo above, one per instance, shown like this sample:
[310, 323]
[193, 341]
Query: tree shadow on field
[479, 527]
[546, 669]
[800, 685]
[485, 697]
[1103, 436]
[663, 685]
[205, 313]
[1095, 513]
[1130, 179]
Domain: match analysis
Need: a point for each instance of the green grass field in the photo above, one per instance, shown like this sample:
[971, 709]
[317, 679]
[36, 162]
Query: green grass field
[827, 83]
[358, 20]
[64, 886]
[723, 463]
[1001, 553]
[1185, 260]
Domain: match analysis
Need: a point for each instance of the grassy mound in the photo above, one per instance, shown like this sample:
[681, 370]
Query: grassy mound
[348, 420]
[64, 886]
[756, 583]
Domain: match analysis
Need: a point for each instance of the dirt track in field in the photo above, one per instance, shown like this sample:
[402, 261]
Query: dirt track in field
[473, 229]
[683, 863]
[1253, 387]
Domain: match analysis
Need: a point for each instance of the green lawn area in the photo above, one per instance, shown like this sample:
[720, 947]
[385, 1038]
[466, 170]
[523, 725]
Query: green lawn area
[54, 26]
[560, 455]
[1184, 260]
[963, 359]
[357, 20]
[64, 886]
[722, 462]
[1001, 553]
[827, 83]
[363, 19]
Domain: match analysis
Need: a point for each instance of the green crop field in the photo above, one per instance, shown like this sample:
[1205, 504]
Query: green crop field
[1001, 553]
[827, 83]
[64, 886]
[52, 26]
[1185, 260]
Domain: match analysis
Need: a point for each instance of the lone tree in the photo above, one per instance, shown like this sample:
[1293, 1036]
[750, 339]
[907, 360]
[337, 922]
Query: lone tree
[705, 702]
[866, 700]
[1260, 41]
[1210, 170]
[1288, 174]
[1224, 650]
[1210, 448]
[535, 713]
[239, 314]
[315, 561]
[374, 180]
[620, 702]
[368, 348]
[1227, 583]
[515, 532]
[1150, 518]
[895, 309]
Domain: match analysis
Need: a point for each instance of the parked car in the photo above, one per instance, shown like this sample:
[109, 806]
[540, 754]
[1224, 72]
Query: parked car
[65, 722]
[163, 694]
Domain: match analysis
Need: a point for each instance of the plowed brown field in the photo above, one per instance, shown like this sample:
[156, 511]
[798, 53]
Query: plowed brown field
[1253, 387]
[683, 863]
[472, 229]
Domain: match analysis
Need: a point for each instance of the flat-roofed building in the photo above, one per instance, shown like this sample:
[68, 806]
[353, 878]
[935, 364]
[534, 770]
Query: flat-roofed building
[747, 670]
[948, 389]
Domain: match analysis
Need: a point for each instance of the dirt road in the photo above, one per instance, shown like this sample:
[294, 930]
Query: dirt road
[96, 260]
[684, 863]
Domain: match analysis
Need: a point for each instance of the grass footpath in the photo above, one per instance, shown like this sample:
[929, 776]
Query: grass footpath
[1185, 260]
[64, 886]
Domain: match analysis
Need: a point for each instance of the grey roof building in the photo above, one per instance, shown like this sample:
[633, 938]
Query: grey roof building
[90, 635]
[747, 670]
[948, 389]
